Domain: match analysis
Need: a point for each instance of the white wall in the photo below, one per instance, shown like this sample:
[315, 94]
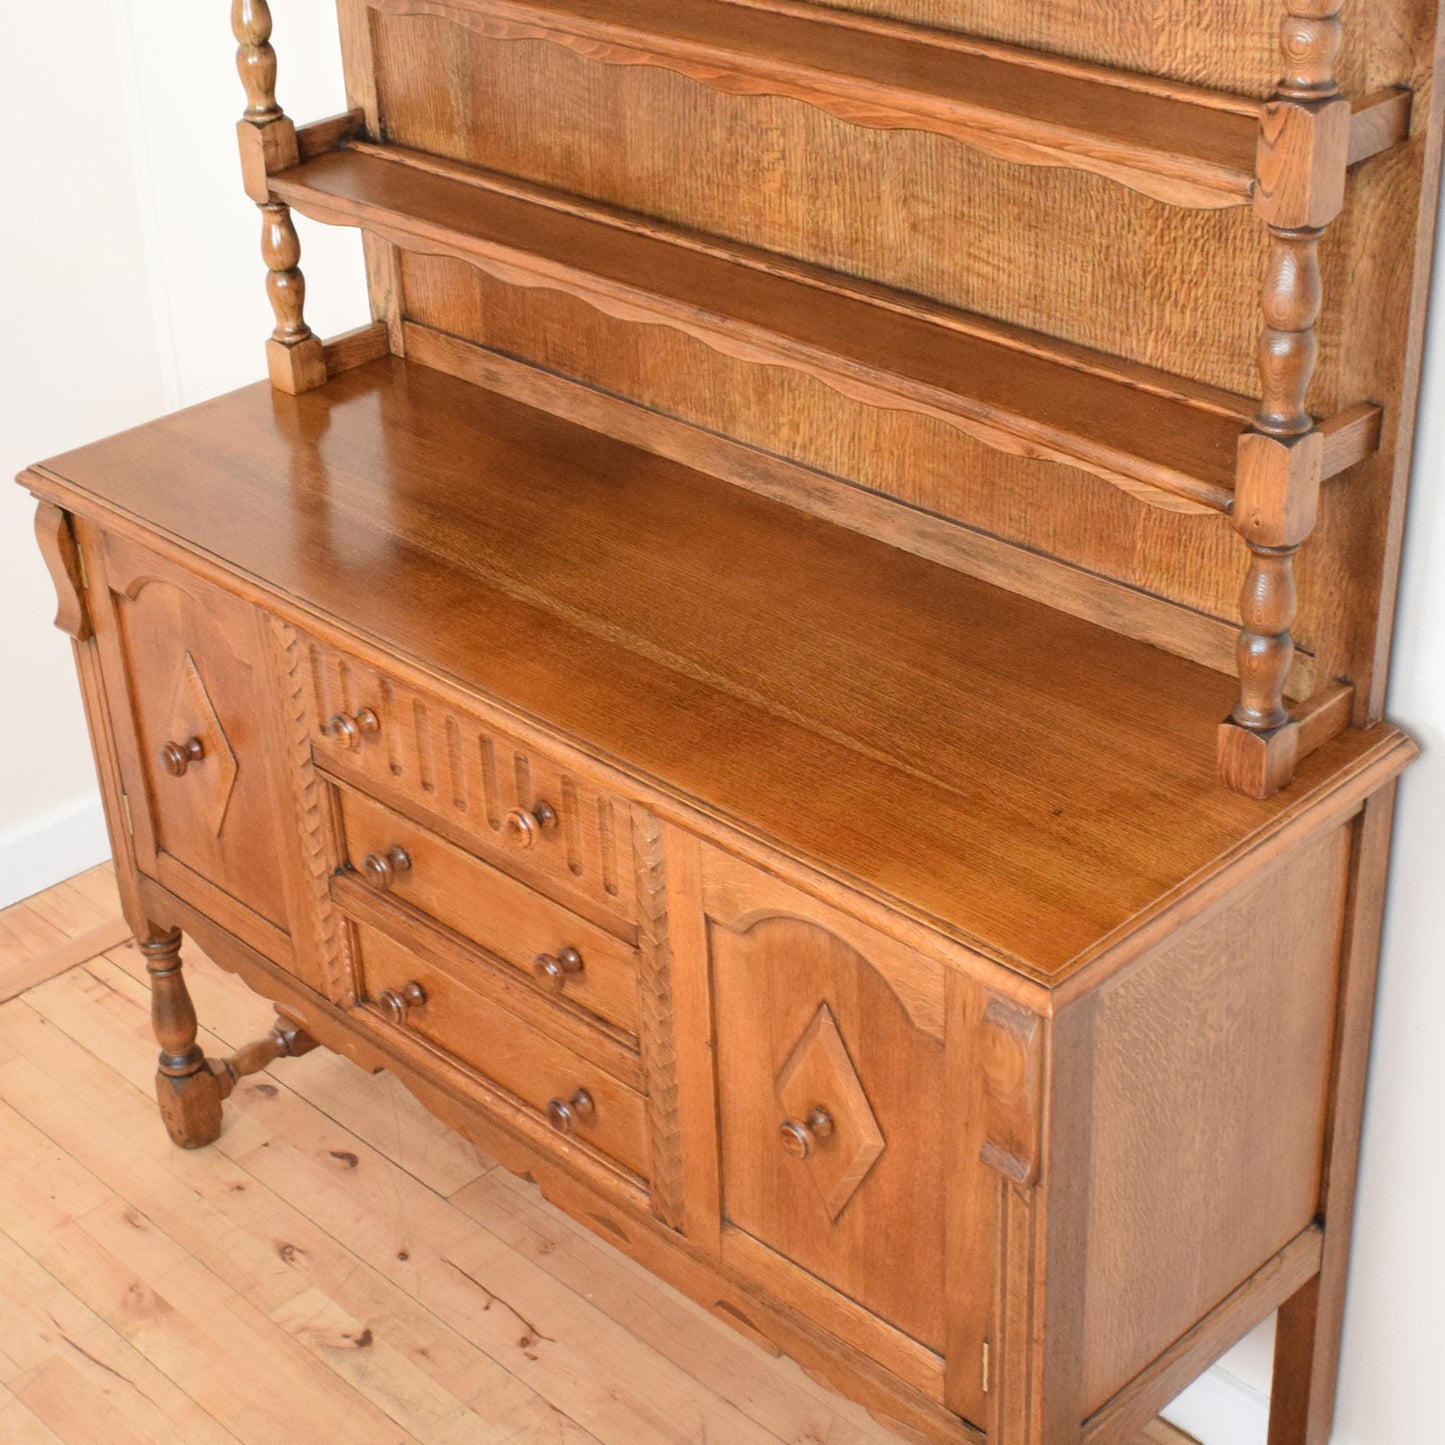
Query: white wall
[135, 284]
[80, 359]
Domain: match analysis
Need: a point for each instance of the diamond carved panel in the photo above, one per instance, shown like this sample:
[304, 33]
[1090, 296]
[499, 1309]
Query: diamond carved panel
[211, 784]
[819, 1074]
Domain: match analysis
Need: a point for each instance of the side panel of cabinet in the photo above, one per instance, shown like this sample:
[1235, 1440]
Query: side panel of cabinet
[1207, 1085]
[191, 687]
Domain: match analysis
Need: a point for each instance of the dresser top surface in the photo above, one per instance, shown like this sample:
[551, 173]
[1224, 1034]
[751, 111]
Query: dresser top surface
[1030, 782]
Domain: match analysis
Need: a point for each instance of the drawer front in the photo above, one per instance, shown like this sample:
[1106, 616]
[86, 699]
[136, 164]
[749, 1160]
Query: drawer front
[565, 956]
[187, 672]
[518, 807]
[831, 1103]
[575, 1097]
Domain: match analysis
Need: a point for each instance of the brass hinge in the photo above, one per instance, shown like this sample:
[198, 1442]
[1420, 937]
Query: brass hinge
[84, 570]
[986, 1381]
[129, 825]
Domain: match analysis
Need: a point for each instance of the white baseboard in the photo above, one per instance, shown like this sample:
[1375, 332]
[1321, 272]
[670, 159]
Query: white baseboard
[1219, 1409]
[51, 849]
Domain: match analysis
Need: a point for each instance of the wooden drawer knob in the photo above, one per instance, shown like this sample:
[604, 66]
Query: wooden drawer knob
[564, 1115]
[381, 870]
[349, 728]
[524, 827]
[397, 1004]
[177, 758]
[800, 1138]
[552, 970]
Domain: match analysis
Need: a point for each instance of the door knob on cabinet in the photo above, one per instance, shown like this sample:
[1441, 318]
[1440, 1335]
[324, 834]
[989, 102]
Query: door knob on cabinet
[350, 728]
[564, 1115]
[801, 1137]
[524, 826]
[397, 1004]
[177, 758]
[552, 970]
[382, 870]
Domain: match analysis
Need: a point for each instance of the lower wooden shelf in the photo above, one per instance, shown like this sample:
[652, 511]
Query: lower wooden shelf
[1171, 442]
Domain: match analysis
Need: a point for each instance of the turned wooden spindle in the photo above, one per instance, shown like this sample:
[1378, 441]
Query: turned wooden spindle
[1309, 36]
[294, 354]
[1266, 648]
[1303, 155]
[255, 59]
[186, 1089]
[285, 285]
[285, 1041]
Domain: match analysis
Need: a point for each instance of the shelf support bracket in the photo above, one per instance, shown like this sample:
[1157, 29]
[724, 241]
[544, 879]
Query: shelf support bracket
[295, 357]
[1304, 146]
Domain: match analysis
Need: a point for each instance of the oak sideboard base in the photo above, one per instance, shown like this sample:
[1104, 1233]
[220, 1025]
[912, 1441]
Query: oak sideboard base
[1006, 1105]
[1296, 1280]
[718, 686]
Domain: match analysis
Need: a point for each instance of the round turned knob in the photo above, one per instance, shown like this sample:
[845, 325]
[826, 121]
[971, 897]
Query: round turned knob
[178, 757]
[800, 1137]
[524, 827]
[552, 970]
[348, 729]
[381, 870]
[564, 1115]
[397, 1004]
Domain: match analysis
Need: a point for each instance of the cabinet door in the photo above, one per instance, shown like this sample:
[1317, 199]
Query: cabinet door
[832, 1127]
[188, 696]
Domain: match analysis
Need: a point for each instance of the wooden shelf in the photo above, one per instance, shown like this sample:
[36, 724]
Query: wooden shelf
[1171, 442]
[1177, 143]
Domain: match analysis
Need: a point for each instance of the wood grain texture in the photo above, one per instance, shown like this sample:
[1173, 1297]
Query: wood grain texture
[884, 1089]
[1307, 1350]
[333, 976]
[430, 757]
[658, 1020]
[872, 345]
[1184, 147]
[497, 912]
[865, 945]
[67, 570]
[1119, 297]
[873, 773]
[191, 662]
[1241, 1008]
[487, 1038]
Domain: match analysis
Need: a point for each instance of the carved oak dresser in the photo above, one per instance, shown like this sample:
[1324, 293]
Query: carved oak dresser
[734, 685]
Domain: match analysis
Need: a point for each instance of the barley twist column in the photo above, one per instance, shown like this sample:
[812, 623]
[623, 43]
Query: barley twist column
[1303, 154]
[294, 354]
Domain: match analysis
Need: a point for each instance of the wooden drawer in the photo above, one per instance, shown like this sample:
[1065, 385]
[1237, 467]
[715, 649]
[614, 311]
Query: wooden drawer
[588, 966]
[522, 809]
[576, 1097]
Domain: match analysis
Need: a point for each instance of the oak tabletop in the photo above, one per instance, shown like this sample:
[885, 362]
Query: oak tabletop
[1032, 783]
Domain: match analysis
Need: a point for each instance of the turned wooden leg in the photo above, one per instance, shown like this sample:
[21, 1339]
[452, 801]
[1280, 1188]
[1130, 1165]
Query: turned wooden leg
[188, 1091]
[190, 1087]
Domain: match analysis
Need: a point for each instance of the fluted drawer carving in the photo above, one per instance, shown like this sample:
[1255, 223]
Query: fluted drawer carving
[523, 810]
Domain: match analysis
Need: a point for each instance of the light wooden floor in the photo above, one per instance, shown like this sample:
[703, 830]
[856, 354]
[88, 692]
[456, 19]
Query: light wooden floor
[338, 1268]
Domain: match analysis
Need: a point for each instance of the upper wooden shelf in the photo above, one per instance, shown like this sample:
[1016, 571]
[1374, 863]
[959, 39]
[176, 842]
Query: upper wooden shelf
[1177, 143]
[1172, 442]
